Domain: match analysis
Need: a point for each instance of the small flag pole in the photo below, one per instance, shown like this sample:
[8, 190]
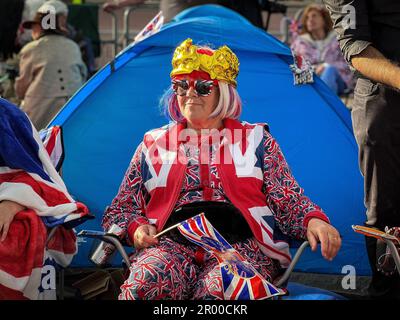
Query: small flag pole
[166, 230]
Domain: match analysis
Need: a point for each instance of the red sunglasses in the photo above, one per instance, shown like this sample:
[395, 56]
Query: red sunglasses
[201, 87]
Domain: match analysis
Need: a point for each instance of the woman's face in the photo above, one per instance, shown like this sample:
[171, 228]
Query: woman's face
[195, 107]
[315, 21]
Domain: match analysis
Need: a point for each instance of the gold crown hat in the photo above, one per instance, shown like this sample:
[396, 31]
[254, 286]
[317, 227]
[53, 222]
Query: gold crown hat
[223, 64]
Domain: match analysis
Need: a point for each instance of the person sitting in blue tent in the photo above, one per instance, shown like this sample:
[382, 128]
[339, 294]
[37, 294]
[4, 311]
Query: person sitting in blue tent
[206, 160]
[37, 213]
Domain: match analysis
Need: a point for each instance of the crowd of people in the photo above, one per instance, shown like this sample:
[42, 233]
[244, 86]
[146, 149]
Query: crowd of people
[203, 98]
[45, 58]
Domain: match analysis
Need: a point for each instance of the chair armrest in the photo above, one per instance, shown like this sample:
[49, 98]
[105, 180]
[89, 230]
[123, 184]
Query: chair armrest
[68, 226]
[109, 238]
[295, 259]
[395, 253]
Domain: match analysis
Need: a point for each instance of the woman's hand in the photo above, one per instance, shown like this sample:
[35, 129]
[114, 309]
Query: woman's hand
[143, 236]
[328, 236]
[8, 209]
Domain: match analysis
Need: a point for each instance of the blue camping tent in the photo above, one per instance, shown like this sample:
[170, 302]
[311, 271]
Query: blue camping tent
[104, 122]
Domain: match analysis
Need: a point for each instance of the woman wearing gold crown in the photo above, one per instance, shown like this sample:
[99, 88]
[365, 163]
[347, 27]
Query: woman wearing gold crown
[206, 160]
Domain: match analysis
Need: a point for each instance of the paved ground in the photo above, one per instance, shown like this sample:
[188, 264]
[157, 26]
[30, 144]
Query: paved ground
[333, 283]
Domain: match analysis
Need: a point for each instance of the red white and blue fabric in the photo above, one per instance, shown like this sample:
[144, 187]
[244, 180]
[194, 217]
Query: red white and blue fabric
[53, 143]
[241, 168]
[239, 278]
[28, 177]
[186, 272]
[155, 183]
[151, 28]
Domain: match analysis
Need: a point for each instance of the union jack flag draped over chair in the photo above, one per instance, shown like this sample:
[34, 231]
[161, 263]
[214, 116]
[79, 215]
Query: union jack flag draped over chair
[28, 257]
[240, 279]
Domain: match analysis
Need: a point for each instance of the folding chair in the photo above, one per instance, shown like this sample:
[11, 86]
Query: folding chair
[299, 291]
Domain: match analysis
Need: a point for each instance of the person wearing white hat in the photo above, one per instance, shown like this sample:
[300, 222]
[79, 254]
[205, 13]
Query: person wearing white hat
[51, 66]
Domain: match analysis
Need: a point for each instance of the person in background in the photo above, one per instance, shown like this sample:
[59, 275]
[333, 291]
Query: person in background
[84, 43]
[35, 206]
[370, 44]
[317, 43]
[30, 9]
[51, 69]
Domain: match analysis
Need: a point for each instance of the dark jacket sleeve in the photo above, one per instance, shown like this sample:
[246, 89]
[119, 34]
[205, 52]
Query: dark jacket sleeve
[351, 23]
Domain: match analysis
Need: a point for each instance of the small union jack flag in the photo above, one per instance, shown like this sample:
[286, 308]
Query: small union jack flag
[302, 70]
[151, 28]
[240, 279]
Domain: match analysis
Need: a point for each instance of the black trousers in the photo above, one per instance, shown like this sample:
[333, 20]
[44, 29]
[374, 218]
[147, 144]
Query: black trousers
[376, 125]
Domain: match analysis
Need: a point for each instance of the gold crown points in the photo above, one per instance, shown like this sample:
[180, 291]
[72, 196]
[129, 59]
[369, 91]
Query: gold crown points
[223, 64]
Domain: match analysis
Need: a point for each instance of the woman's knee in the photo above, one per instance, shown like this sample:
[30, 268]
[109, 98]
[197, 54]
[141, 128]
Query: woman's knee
[156, 273]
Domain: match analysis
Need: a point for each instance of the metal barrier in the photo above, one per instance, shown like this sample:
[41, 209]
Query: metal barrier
[114, 29]
[148, 5]
[283, 33]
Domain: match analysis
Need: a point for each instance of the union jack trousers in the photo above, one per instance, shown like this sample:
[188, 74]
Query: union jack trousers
[171, 271]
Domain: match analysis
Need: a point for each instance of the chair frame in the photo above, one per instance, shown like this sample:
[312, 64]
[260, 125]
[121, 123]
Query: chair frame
[394, 252]
[113, 239]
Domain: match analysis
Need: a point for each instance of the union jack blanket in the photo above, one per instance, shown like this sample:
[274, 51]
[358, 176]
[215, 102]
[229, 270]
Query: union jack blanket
[28, 257]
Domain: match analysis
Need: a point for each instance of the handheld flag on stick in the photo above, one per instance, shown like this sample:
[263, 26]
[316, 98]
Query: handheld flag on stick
[240, 279]
[151, 28]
